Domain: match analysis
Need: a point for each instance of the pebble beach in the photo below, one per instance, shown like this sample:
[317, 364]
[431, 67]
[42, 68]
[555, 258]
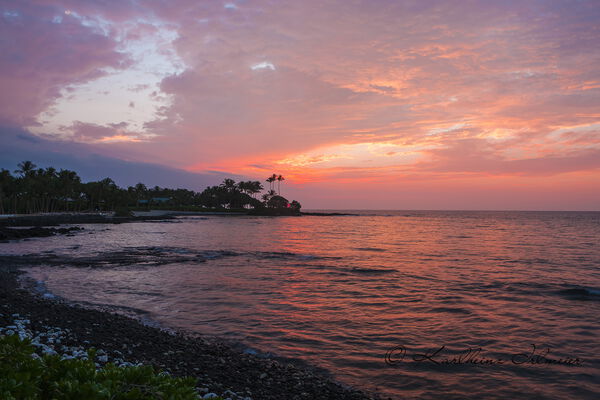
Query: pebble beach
[56, 326]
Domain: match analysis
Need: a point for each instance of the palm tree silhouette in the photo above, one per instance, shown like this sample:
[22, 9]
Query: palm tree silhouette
[25, 168]
[228, 184]
[250, 187]
[271, 179]
[279, 179]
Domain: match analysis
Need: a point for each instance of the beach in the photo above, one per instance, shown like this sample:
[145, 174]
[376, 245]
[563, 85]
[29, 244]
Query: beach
[219, 368]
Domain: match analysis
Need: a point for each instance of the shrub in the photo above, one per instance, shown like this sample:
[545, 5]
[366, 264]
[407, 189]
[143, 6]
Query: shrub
[278, 202]
[24, 375]
[295, 205]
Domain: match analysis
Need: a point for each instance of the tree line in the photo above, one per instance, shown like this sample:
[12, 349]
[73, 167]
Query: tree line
[36, 190]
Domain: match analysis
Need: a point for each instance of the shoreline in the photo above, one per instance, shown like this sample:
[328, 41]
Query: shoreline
[54, 219]
[219, 367]
[15, 233]
[72, 218]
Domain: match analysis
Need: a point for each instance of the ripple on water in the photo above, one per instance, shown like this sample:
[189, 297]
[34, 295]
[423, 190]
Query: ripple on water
[303, 289]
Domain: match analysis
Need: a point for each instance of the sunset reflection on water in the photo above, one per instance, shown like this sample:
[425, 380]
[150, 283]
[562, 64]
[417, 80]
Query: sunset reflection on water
[340, 291]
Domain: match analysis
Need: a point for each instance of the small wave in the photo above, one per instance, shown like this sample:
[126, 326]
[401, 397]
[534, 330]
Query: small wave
[276, 254]
[371, 271]
[581, 293]
[149, 256]
[120, 309]
[377, 249]
[289, 256]
[452, 310]
[41, 288]
[216, 254]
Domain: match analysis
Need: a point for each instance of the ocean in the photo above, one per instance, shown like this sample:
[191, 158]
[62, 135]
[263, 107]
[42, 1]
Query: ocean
[408, 304]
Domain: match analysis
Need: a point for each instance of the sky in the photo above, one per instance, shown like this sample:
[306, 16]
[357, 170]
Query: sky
[375, 104]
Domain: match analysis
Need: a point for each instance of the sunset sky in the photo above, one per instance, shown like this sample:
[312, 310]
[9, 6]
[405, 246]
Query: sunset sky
[359, 104]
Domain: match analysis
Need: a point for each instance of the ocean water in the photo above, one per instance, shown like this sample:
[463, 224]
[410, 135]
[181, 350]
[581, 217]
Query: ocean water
[409, 304]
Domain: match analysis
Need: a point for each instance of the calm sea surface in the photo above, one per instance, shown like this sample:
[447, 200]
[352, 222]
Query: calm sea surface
[340, 292]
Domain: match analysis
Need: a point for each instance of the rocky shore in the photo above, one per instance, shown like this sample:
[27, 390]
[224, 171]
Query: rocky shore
[75, 218]
[58, 326]
[46, 220]
[328, 214]
[7, 233]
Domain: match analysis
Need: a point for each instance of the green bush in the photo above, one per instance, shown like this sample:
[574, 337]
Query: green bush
[25, 376]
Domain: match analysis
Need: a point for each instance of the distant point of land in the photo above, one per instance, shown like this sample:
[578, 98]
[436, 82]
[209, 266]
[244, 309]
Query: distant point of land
[33, 190]
[327, 214]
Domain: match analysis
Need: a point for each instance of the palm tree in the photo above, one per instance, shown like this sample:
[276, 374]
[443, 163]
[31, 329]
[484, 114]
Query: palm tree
[49, 188]
[141, 192]
[242, 186]
[228, 184]
[6, 187]
[279, 179]
[25, 168]
[271, 179]
[68, 187]
[254, 187]
[140, 188]
[33, 189]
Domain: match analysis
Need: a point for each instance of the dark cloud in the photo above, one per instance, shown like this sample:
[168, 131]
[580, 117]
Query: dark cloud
[19, 145]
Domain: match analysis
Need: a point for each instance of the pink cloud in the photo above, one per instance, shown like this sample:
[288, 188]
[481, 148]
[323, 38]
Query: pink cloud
[476, 155]
[495, 65]
[485, 89]
[43, 51]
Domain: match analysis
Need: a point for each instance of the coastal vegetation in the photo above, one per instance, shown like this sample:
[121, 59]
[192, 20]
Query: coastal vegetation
[41, 190]
[129, 353]
[24, 374]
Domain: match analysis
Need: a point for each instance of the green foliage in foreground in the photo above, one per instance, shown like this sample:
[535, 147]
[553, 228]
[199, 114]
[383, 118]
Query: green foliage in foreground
[25, 377]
